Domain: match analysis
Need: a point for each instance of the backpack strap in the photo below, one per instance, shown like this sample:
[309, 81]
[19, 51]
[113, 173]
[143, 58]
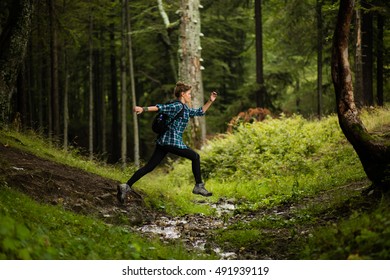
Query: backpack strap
[179, 114]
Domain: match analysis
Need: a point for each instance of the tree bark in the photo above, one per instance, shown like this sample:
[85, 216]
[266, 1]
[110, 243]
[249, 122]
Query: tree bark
[379, 61]
[374, 154]
[115, 146]
[319, 58]
[55, 100]
[166, 39]
[13, 42]
[123, 89]
[367, 55]
[132, 83]
[66, 102]
[261, 93]
[189, 63]
[358, 59]
[91, 97]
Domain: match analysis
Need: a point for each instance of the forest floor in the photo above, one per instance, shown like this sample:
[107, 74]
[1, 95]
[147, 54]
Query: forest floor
[92, 195]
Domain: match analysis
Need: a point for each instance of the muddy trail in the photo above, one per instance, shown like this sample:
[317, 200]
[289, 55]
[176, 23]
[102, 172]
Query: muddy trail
[89, 194]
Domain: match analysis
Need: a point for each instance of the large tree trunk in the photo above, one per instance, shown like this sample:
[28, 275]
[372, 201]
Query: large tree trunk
[13, 42]
[189, 63]
[374, 153]
[367, 55]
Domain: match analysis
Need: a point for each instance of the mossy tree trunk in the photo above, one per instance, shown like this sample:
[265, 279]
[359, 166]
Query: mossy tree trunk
[374, 153]
[13, 42]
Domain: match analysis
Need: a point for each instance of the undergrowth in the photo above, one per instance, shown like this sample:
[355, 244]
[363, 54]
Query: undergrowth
[33, 231]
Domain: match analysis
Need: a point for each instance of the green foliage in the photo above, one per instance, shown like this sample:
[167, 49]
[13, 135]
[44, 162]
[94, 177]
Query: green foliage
[283, 156]
[361, 236]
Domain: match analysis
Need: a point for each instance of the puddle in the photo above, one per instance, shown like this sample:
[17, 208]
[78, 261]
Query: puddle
[223, 207]
[192, 229]
[167, 232]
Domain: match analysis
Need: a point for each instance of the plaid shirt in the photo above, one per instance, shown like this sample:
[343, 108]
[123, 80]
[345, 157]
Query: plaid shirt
[174, 135]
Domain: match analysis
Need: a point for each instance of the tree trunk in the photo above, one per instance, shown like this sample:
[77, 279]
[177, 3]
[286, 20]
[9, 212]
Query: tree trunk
[166, 39]
[99, 93]
[374, 153]
[91, 98]
[379, 61]
[66, 101]
[319, 58]
[55, 101]
[367, 56]
[132, 83]
[115, 147]
[261, 93]
[358, 60]
[189, 63]
[13, 42]
[21, 99]
[123, 89]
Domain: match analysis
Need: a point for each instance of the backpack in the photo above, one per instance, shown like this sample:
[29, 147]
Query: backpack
[160, 122]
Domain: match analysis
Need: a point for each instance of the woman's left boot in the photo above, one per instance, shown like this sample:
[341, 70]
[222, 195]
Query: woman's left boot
[200, 189]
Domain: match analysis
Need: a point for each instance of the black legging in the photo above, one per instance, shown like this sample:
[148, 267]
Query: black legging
[158, 155]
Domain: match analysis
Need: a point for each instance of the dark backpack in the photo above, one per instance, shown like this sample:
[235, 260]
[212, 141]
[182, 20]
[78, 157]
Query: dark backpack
[161, 121]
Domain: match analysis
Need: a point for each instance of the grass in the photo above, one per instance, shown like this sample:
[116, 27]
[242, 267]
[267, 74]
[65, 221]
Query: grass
[33, 231]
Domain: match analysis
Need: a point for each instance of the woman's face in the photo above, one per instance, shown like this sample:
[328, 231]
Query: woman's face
[187, 96]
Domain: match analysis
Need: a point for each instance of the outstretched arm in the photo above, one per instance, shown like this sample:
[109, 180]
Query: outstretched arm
[212, 98]
[140, 110]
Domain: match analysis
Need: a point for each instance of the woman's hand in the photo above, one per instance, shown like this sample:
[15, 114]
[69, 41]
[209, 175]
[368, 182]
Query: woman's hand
[213, 96]
[207, 105]
[138, 110]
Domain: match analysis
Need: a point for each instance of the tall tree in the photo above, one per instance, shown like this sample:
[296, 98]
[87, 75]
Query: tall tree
[13, 41]
[165, 35]
[115, 146]
[55, 95]
[190, 70]
[66, 102]
[379, 60]
[367, 54]
[261, 94]
[319, 58]
[91, 93]
[123, 87]
[374, 153]
[132, 84]
[358, 59]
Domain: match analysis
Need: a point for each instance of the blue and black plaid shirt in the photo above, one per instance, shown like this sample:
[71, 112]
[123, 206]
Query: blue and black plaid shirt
[174, 135]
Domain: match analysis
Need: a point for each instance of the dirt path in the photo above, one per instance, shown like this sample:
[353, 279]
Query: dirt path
[74, 189]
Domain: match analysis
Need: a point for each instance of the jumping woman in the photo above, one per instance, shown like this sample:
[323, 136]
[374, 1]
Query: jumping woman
[171, 141]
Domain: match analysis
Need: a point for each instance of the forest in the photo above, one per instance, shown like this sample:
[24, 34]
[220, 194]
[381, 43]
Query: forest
[76, 72]
[295, 148]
